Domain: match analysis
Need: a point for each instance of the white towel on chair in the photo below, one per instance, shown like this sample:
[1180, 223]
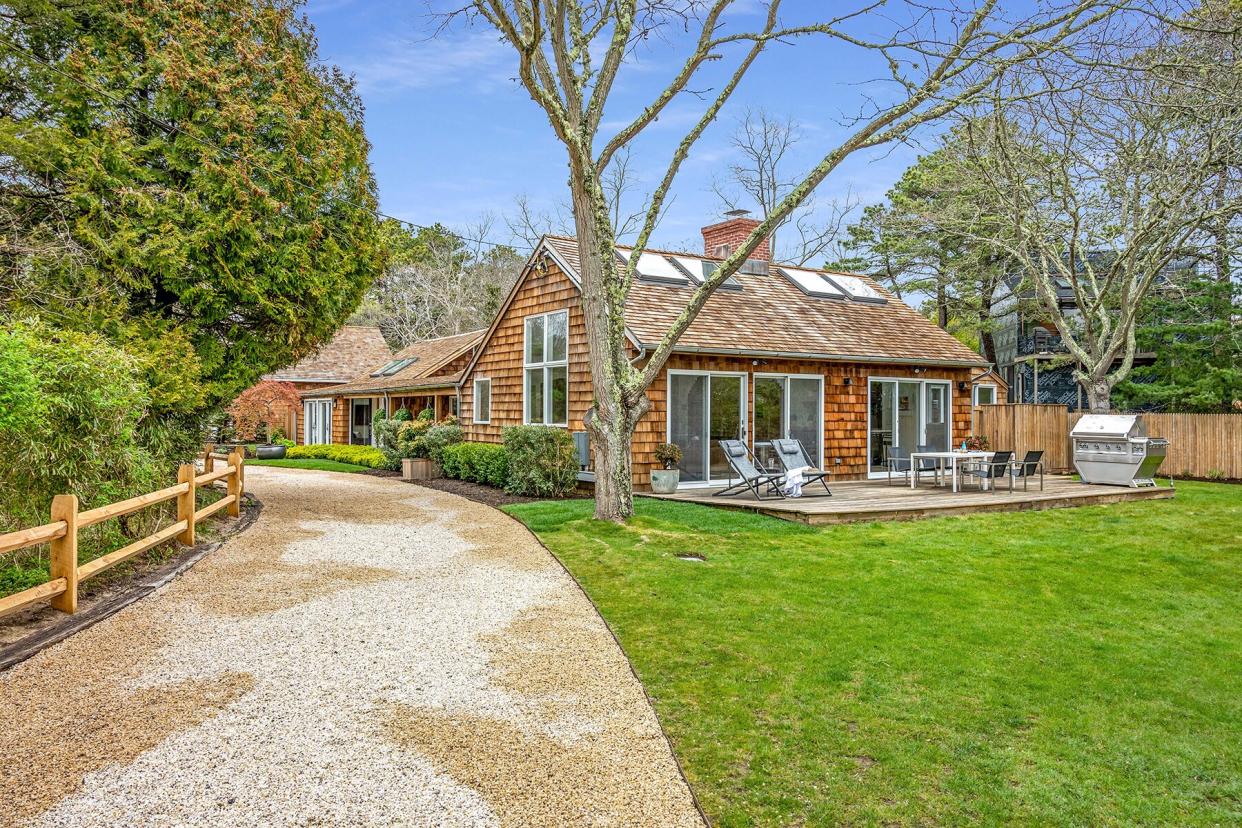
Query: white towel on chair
[791, 485]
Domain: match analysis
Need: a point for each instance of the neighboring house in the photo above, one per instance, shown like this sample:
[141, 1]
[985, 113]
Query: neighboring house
[1030, 355]
[423, 375]
[352, 350]
[829, 358]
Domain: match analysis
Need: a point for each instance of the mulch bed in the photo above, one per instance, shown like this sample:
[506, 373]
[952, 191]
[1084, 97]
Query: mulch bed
[487, 495]
[381, 473]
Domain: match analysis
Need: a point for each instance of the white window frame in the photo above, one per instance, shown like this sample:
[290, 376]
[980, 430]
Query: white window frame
[546, 366]
[974, 393]
[784, 378]
[323, 428]
[474, 404]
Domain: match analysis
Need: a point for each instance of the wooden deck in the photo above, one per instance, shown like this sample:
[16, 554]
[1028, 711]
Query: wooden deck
[866, 500]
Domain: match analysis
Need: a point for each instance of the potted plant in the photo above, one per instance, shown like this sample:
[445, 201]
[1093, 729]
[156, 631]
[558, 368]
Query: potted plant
[977, 442]
[256, 408]
[664, 480]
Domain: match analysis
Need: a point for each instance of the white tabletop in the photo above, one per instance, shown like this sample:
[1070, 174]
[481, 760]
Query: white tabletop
[950, 454]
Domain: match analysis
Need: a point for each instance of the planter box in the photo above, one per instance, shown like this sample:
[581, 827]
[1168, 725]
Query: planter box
[419, 469]
[664, 481]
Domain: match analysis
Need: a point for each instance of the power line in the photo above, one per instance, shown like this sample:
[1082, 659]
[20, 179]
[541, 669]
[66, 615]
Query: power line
[174, 129]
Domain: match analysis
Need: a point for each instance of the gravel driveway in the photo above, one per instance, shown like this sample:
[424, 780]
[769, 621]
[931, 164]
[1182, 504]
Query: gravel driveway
[368, 653]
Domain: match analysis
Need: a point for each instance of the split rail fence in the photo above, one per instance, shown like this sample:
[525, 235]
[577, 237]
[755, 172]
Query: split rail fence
[1200, 445]
[66, 521]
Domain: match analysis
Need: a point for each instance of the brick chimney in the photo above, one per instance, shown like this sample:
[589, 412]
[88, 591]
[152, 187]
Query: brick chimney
[722, 238]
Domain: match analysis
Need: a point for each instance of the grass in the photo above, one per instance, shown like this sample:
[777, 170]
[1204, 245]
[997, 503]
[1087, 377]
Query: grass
[1070, 667]
[309, 463]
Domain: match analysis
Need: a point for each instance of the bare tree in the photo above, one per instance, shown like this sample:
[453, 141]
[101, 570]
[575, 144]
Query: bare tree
[569, 55]
[445, 284]
[764, 176]
[1106, 187]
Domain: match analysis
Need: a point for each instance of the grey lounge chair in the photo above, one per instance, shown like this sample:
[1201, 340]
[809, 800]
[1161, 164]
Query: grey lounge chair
[1032, 464]
[793, 455]
[898, 460]
[994, 468]
[754, 479]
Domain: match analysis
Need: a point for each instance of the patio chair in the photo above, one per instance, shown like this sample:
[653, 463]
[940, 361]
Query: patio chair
[1032, 464]
[754, 479]
[898, 460]
[926, 464]
[793, 455]
[985, 471]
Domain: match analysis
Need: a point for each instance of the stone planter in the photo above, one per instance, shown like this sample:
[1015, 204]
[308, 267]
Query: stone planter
[664, 481]
[274, 451]
[419, 469]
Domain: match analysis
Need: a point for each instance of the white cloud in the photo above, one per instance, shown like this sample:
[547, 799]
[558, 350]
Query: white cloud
[476, 59]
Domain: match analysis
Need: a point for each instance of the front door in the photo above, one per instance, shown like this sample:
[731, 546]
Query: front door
[317, 420]
[360, 423]
[703, 409]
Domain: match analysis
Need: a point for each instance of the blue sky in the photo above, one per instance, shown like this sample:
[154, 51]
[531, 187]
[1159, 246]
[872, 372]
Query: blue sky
[454, 136]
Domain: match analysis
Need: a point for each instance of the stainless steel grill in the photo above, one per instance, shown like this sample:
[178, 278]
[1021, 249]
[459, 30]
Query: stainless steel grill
[1115, 449]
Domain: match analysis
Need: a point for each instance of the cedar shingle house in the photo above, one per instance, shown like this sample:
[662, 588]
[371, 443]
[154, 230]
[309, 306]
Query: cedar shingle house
[423, 375]
[352, 350]
[829, 358]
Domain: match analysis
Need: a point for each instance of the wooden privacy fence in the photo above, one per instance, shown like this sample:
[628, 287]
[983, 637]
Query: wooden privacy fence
[1200, 445]
[62, 532]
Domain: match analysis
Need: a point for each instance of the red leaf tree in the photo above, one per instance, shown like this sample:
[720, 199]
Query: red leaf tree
[259, 405]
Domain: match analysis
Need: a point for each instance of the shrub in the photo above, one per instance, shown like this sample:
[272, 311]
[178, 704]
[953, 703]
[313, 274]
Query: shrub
[668, 455]
[439, 437]
[73, 404]
[486, 463]
[358, 455]
[542, 462]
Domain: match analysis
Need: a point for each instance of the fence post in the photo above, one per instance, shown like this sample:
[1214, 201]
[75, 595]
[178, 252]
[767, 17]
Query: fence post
[186, 503]
[64, 557]
[209, 462]
[235, 484]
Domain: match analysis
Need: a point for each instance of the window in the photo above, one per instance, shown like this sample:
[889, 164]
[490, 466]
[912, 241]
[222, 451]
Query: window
[985, 395]
[393, 367]
[545, 386]
[482, 400]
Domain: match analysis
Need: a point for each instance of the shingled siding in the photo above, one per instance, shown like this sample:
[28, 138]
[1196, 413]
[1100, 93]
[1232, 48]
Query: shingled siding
[845, 407]
[502, 357]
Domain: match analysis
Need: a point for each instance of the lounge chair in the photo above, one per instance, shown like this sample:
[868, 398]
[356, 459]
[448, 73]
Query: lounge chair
[792, 455]
[754, 479]
[898, 460]
[994, 468]
[1032, 464]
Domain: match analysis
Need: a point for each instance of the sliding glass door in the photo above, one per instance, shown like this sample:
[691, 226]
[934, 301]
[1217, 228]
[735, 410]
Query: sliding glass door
[791, 407]
[704, 408]
[907, 413]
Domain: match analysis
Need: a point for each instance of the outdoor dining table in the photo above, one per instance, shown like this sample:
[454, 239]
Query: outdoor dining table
[940, 456]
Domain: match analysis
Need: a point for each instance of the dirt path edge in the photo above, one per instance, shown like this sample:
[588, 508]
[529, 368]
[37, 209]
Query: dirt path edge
[694, 797]
[32, 644]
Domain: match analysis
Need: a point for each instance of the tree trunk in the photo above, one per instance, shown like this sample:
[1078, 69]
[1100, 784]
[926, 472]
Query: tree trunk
[619, 402]
[1099, 395]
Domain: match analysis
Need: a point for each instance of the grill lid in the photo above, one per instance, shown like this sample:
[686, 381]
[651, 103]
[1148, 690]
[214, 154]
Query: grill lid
[1103, 426]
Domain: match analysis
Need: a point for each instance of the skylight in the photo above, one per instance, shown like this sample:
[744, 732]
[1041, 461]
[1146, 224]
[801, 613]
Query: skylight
[393, 367]
[699, 269]
[811, 283]
[857, 289]
[653, 267]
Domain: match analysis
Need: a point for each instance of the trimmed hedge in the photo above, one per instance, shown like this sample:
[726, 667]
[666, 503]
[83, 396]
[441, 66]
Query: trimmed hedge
[542, 462]
[358, 455]
[485, 463]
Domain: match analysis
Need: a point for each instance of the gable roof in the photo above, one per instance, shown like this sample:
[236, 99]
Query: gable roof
[428, 369]
[770, 316]
[351, 351]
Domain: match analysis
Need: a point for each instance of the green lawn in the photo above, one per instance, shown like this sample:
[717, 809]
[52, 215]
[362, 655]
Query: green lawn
[308, 463]
[1072, 667]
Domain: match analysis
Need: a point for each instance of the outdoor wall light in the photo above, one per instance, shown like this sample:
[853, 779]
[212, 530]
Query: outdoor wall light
[961, 385]
[849, 380]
